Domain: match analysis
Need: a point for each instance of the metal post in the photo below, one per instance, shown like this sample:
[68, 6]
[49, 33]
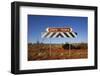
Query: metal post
[50, 47]
[69, 49]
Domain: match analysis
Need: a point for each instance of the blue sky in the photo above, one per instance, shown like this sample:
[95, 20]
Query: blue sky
[38, 24]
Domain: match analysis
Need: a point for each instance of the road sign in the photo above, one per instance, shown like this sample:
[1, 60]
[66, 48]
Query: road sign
[59, 34]
[59, 29]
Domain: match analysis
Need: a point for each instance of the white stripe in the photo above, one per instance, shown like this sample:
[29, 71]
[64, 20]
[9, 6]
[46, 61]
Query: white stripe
[63, 34]
[74, 34]
[55, 35]
[44, 33]
[69, 34]
[48, 36]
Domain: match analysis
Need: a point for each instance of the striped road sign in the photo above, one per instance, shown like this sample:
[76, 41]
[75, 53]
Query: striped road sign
[59, 34]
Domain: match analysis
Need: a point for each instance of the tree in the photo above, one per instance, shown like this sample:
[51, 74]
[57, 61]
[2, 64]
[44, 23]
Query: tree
[66, 46]
[37, 42]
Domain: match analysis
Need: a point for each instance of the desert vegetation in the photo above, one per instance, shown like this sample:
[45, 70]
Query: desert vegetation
[42, 51]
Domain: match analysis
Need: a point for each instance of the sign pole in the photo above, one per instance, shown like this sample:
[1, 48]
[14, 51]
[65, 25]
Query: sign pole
[50, 47]
[69, 48]
[54, 32]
